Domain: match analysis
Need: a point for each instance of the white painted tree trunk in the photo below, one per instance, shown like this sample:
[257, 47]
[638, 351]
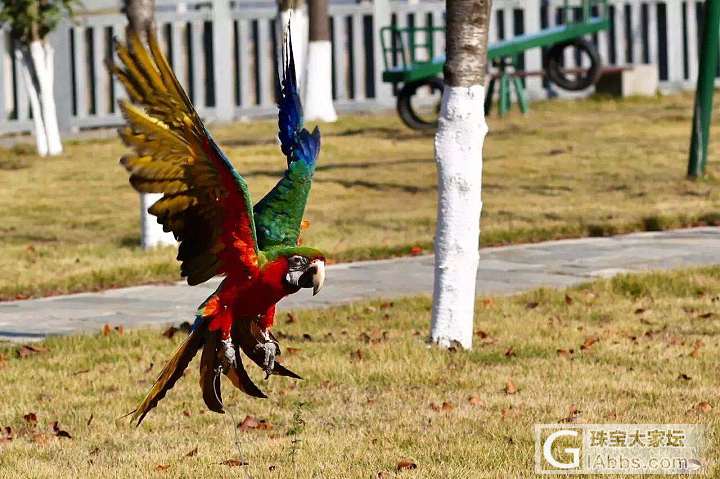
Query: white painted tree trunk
[458, 152]
[26, 70]
[43, 57]
[152, 231]
[298, 19]
[318, 104]
[37, 67]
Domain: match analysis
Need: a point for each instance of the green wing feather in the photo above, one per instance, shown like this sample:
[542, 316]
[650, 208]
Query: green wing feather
[206, 203]
[279, 214]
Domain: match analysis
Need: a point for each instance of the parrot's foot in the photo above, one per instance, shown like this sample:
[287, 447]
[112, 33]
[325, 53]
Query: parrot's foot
[226, 355]
[270, 348]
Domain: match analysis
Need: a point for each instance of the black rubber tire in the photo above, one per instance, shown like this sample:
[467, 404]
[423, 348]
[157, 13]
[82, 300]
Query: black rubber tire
[554, 67]
[404, 103]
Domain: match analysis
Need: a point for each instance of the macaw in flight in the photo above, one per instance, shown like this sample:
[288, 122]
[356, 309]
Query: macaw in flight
[206, 204]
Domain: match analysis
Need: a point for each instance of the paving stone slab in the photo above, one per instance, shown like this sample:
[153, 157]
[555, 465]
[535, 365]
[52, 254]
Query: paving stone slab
[503, 270]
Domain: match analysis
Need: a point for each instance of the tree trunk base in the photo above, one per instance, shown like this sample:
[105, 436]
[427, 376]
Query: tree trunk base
[152, 231]
[458, 151]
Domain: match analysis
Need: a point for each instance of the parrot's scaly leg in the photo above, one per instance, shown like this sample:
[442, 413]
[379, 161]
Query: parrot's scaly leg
[270, 348]
[226, 354]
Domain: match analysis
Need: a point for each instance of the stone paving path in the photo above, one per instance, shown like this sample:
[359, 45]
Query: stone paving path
[503, 270]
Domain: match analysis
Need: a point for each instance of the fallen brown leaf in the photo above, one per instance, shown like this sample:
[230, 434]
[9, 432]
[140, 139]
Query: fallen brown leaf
[234, 463]
[251, 422]
[510, 387]
[162, 467]
[566, 353]
[29, 349]
[704, 407]
[291, 351]
[696, 348]
[475, 400]
[706, 315]
[6, 434]
[39, 438]
[488, 302]
[445, 406]
[509, 352]
[572, 416]
[358, 355]
[192, 452]
[416, 250]
[60, 432]
[507, 412]
[406, 464]
[589, 342]
[106, 329]
[90, 420]
[568, 299]
[291, 318]
[532, 305]
[30, 418]
[684, 377]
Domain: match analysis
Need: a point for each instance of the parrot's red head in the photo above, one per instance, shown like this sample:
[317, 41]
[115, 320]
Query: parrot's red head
[304, 267]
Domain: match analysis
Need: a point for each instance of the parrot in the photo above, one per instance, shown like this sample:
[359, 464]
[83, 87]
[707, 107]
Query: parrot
[206, 204]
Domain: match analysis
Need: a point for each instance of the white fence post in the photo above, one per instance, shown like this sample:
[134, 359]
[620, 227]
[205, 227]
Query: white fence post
[222, 60]
[533, 58]
[381, 18]
[693, 47]
[4, 77]
[674, 43]
[62, 84]
[222, 16]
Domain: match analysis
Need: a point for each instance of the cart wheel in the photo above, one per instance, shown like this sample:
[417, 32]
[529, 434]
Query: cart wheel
[573, 81]
[414, 116]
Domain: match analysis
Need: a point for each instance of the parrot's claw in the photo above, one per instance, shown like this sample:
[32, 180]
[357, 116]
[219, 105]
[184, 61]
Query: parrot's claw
[271, 349]
[226, 355]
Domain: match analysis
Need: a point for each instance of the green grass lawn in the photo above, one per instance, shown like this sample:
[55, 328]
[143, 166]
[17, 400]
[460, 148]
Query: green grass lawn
[374, 393]
[567, 169]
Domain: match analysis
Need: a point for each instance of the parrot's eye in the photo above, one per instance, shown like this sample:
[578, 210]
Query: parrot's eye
[297, 262]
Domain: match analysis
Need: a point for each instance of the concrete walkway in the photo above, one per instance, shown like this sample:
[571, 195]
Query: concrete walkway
[503, 270]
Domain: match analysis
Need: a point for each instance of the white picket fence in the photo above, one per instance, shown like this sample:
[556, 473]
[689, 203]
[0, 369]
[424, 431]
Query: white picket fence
[223, 52]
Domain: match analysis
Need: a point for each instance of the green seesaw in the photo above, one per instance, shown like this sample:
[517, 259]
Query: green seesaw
[412, 62]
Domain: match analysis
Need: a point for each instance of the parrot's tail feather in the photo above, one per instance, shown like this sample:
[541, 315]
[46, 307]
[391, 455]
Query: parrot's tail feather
[241, 380]
[281, 370]
[210, 374]
[170, 374]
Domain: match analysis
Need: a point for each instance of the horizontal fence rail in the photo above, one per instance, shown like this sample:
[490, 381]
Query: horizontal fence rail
[224, 52]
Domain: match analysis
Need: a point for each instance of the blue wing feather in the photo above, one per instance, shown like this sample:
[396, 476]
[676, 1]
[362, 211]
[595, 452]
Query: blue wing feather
[290, 115]
[279, 214]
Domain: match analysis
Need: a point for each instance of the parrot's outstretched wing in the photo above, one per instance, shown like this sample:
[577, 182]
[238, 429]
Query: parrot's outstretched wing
[206, 203]
[279, 214]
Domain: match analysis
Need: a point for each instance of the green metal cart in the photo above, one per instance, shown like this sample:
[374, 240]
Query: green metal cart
[412, 62]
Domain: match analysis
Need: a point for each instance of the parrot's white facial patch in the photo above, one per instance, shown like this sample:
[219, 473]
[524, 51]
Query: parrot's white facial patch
[303, 273]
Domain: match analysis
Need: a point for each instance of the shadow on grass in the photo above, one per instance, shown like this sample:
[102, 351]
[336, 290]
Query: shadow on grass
[363, 165]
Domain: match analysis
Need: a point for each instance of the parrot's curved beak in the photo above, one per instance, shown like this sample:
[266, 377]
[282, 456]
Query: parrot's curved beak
[313, 276]
[319, 276]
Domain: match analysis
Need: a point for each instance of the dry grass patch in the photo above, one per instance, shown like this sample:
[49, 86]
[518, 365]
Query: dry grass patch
[635, 349]
[568, 169]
